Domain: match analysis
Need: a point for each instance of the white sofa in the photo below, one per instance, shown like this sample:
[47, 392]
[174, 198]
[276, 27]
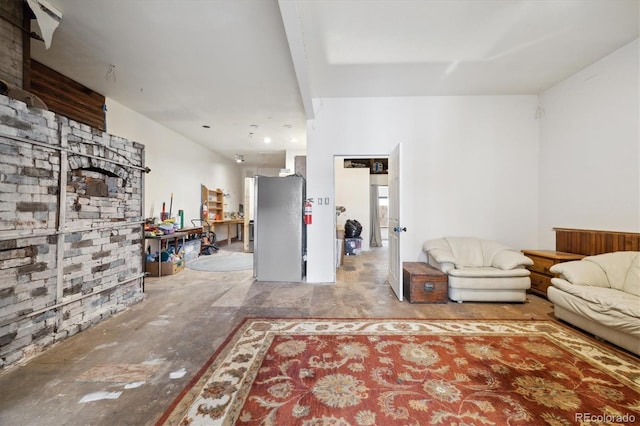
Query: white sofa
[480, 270]
[601, 294]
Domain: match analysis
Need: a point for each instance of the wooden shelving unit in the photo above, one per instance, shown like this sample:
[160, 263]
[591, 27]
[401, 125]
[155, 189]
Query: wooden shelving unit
[375, 165]
[213, 199]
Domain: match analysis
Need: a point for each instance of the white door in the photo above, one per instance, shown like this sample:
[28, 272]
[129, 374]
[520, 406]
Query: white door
[395, 230]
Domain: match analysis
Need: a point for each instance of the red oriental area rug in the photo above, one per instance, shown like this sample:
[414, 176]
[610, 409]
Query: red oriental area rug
[411, 372]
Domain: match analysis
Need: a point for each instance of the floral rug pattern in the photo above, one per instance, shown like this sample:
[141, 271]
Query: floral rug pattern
[412, 372]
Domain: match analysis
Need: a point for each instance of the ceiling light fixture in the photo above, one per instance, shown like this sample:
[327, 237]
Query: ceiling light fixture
[287, 126]
[267, 140]
[206, 126]
[111, 74]
[239, 158]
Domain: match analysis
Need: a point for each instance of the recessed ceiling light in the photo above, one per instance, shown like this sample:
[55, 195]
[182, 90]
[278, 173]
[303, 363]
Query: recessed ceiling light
[287, 126]
[267, 140]
[206, 126]
[254, 126]
[294, 140]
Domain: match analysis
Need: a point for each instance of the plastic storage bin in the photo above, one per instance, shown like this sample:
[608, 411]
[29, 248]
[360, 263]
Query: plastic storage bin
[352, 246]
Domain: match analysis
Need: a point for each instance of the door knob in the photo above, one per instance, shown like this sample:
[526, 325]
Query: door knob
[398, 229]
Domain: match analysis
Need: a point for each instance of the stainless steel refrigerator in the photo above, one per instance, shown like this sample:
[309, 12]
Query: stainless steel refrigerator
[280, 235]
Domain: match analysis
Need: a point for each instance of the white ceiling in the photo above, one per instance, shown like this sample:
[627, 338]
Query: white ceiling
[231, 64]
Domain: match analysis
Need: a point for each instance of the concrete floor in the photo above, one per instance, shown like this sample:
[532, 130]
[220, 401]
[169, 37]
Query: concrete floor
[128, 369]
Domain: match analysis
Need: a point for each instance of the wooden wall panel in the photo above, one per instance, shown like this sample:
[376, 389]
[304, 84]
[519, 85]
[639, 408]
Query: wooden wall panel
[67, 97]
[591, 242]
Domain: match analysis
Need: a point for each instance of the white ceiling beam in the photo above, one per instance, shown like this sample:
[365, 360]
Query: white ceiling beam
[295, 38]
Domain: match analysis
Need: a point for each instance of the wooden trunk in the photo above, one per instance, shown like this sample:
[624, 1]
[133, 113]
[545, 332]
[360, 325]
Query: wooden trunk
[424, 284]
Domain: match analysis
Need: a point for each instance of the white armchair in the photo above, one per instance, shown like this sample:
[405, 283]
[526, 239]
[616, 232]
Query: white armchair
[480, 270]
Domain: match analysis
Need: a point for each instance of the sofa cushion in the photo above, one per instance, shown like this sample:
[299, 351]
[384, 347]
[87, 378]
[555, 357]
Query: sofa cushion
[470, 252]
[510, 259]
[615, 265]
[439, 250]
[602, 299]
[490, 249]
[580, 272]
[488, 272]
[467, 252]
[632, 281]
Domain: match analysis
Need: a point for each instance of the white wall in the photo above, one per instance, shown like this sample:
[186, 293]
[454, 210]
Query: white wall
[177, 165]
[253, 171]
[469, 167]
[353, 192]
[589, 149]
[290, 158]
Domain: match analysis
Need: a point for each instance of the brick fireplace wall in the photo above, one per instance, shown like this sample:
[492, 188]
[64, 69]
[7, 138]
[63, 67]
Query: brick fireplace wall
[71, 228]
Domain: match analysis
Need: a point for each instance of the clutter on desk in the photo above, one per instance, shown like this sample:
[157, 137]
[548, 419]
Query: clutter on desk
[166, 227]
[174, 244]
[168, 223]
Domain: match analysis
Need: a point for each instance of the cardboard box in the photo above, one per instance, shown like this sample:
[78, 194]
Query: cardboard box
[167, 268]
[339, 252]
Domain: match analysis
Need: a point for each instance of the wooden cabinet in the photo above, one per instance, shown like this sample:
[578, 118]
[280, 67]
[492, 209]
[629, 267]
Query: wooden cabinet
[543, 260]
[212, 201]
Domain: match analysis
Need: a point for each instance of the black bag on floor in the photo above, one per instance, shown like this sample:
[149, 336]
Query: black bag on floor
[352, 228]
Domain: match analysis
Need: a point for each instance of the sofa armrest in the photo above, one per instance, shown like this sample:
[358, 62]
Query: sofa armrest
[443, 266]
[441, 256]
[510, 259]
[579, 272]
[439, 250]
[559, 282]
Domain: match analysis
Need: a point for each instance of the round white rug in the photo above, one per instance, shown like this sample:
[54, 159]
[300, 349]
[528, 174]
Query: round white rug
[222, 262]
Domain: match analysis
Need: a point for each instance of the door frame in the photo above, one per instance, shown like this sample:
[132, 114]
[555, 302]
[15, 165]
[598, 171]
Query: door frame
[345, 156]
[395, 221]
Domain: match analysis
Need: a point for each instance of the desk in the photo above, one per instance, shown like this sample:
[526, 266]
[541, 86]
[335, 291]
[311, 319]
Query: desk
[183, 234]
[229, 222]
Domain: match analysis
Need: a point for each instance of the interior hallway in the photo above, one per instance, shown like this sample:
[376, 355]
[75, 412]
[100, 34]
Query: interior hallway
[143, 357]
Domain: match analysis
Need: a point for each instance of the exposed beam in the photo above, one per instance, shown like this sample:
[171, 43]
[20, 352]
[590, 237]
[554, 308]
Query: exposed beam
[295, 38]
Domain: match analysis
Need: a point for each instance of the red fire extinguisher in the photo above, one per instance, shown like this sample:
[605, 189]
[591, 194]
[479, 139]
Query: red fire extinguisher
[308, 212]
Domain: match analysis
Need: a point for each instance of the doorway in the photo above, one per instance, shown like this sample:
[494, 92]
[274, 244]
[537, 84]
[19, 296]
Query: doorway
[383, 212]
[361, 194]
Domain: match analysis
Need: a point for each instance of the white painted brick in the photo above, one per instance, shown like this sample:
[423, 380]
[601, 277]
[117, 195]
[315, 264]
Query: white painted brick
[11, 197]
[50, 273]
[30, 189]
[12, 357]
[125, 197]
